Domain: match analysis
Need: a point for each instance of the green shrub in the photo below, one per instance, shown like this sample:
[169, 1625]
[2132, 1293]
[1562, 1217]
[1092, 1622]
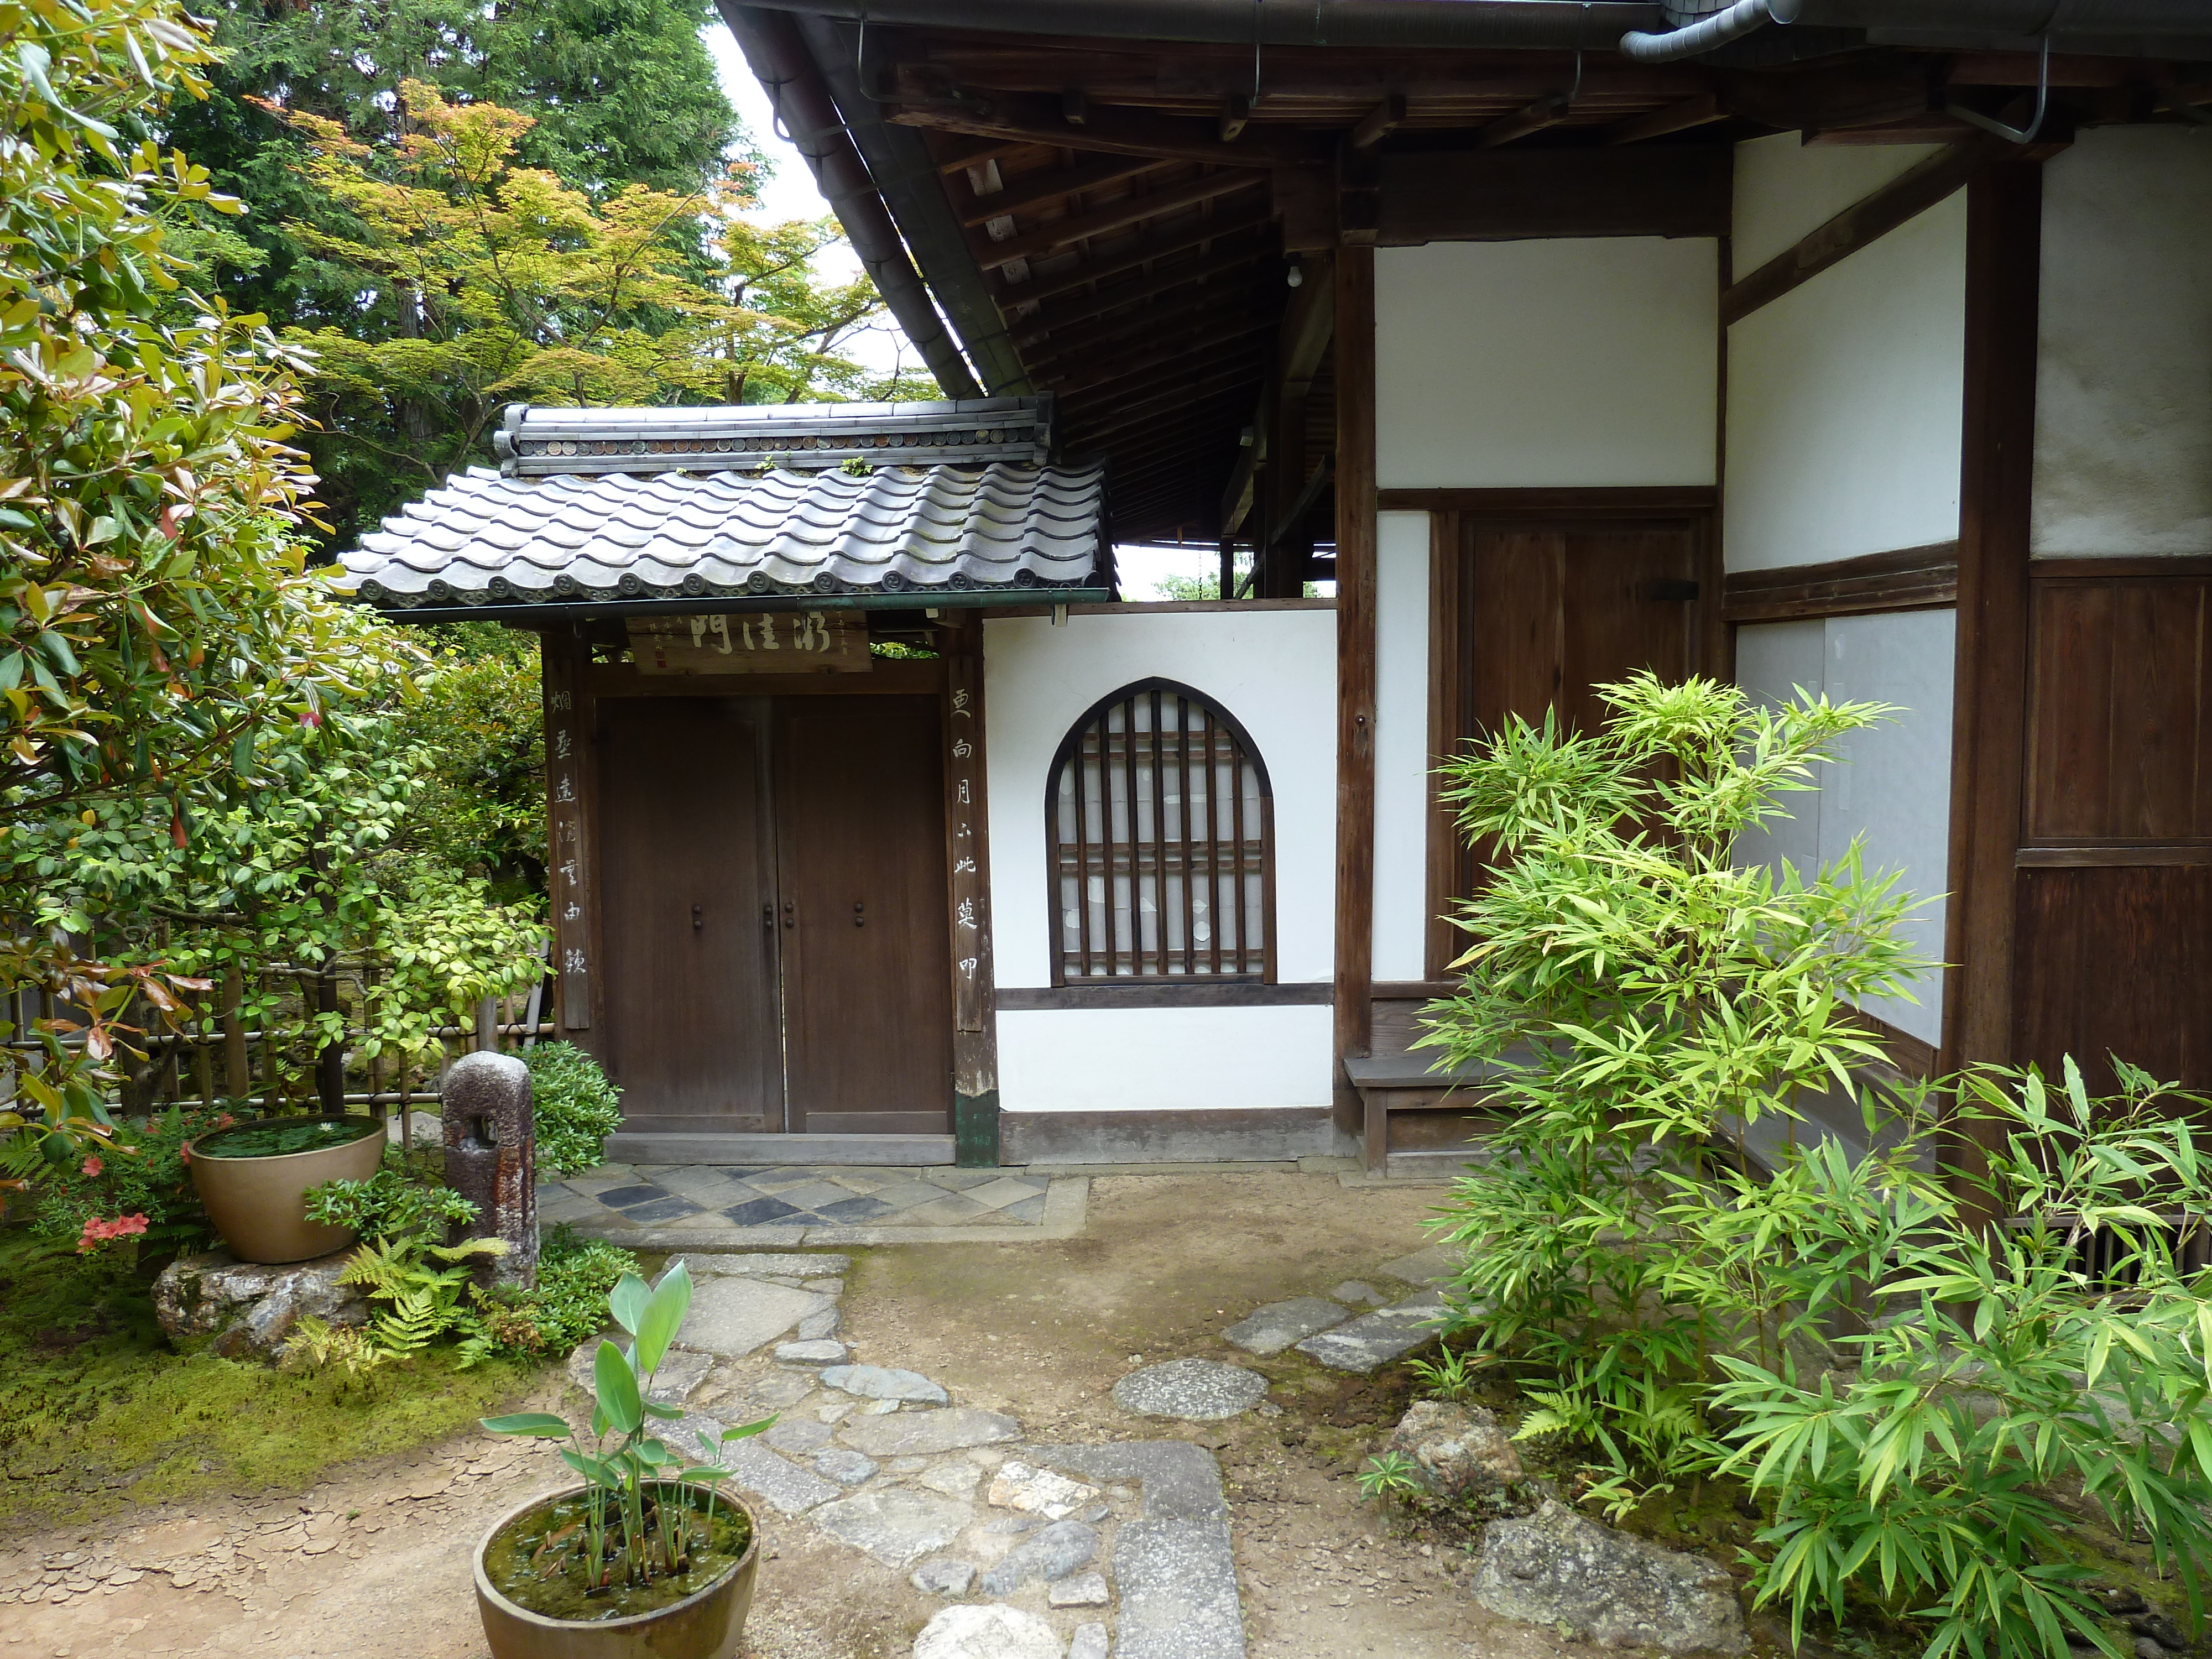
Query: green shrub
[398, 1202]
[142, 1176]
[576, 1107]
[1909, 1386]
[568, 1302]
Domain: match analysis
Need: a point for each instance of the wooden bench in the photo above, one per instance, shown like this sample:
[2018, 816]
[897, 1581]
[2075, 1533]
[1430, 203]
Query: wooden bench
[1417, 1115]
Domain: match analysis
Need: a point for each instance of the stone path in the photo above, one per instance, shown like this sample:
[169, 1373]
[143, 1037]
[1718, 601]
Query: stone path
[714, 1206]
[1328, 1330]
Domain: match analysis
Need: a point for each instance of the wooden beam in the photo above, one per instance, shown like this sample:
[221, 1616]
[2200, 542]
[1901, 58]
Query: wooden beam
[1145, 411]
[1911, 193]
[1231, 305]
[1379, 122]
[1074, 107]
[968, 893]
[1114, 215]
[2004, 211]
[1030, 191]
[1179, 239]
[1355, 669]
[1050, 317]
[572, 831]
[1475, 196]
[1115, 130]
[1657, 124]
[1235, 114]
[973, 152]
[1910, 579]
[1531, 117]
[1192, 347]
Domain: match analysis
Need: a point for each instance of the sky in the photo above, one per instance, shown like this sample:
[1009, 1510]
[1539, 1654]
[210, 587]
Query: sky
[789, 193]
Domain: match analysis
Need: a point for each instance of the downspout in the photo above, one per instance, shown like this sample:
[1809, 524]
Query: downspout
[806, 112]
[1715, 29]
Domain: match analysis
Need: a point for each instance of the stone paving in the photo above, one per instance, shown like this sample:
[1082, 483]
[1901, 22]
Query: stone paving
[735, 1206]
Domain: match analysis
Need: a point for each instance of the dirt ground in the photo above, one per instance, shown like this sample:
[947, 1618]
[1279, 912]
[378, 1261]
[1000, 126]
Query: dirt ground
[374, 1561]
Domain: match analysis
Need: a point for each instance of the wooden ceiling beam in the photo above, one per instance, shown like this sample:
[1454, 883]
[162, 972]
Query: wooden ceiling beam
[1114, 129]
[1192, 347]
[1030, 191]
[1379, 122]
[1851, 94]
[1219, 378]
[966, 153]
[1229, 306]
[1547, 112]
[1180, 239]
[1132, 209]
[1672, 118]
[1050, 317]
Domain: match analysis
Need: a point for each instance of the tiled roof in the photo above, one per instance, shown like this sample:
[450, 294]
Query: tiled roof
[488, 540]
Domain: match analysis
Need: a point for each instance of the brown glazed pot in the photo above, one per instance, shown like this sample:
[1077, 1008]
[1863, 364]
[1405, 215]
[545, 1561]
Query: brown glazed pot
[259, 1205]
[705, 1624]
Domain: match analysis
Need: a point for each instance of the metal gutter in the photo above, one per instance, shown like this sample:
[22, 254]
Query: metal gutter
[2129, 28]
[915, 599]
[1557, 25]
[905, 176]
[808, 115]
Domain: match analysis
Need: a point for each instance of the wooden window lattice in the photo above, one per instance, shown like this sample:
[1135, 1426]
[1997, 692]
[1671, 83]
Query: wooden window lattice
[1160, 832]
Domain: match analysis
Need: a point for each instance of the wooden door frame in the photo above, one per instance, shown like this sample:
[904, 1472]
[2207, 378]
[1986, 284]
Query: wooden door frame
[1452, 513]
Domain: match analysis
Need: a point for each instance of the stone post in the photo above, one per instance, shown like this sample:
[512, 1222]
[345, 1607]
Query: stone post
[491, 1158]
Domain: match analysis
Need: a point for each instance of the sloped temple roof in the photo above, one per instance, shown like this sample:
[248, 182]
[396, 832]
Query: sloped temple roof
[619, 509]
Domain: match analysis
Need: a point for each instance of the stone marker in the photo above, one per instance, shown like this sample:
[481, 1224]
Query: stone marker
[1376, 1338]
[894, 1524]
[945, 1576]
[1050, 1554]
[880, 1382]
[1090, 1643]
[924, 1434]
[1273, 1328]
[1455, 1449]
[246, 1310]
[1086, 1589]
[730, 1316]
[1195, 1390]
[1559, 1569]
[1037, 1492]
[987, 1632]
[491, 1159]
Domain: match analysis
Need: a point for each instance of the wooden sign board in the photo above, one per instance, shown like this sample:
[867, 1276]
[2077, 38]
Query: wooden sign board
[761, 642]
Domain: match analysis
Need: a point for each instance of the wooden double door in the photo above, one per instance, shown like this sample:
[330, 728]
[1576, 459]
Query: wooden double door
[1531, 611]
[774, 913]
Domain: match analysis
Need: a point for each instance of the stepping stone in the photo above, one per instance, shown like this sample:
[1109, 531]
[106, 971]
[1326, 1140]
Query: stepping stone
[1180, 1481]
[894, 1524]
[816, 1326]
[987, 1632]
[797, 1437]
[924, 1434]
[943, 1577]
[958, 1478]
[780, 1388]
[1437, 1265]
[879, 1383]
[748, 1265]
[1376, 1339]
[846, 1469]
[680, 1373]
[1050, 1554]
[1359, 1294]
[1195, 1390]
[1178, 1581]
[781, 1484]
[1090, 1643]
[1037, 1492]
[1273, 1328]
[1084, 1590]
[732, 1317]
[821, 1352]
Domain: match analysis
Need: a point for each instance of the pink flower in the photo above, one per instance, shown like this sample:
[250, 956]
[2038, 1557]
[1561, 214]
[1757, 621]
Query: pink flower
[185, 1152]
[91, 1166]
[97, 1232]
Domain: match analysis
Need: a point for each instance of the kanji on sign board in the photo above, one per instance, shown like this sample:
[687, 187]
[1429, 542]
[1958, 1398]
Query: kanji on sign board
[760, 642]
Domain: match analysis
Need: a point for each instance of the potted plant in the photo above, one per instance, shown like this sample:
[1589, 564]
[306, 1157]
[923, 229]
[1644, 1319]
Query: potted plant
[253, 1178]
[646, 1559]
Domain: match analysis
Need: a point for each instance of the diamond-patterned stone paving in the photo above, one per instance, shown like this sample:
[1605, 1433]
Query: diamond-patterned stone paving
[616, 1198]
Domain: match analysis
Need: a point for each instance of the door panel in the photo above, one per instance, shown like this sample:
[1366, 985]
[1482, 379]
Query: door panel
[687, 875]
[867, 992]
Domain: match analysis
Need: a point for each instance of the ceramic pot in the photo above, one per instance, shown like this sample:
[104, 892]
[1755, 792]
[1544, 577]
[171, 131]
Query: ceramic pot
[259, 1205]
[705, 1624]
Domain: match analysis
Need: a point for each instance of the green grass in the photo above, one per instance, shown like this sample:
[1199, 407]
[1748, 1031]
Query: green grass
[96, 1412]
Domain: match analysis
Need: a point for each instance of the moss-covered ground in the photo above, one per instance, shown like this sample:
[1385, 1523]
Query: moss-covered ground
[97, 1413]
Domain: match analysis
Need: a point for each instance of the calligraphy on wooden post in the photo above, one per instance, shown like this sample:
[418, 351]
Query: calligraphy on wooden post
[963, 740]
[569, 880]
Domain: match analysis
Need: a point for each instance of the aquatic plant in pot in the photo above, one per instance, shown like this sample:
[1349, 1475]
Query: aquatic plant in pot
[646, 1560]
[253, 1179]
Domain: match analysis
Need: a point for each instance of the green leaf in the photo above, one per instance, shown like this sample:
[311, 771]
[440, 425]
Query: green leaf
[664, 1312]
[627, 1302]
[538, 1424]
[616, 1386]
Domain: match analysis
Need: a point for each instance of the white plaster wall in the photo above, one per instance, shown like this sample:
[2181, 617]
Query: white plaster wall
[1786, 189]
[1843, 404]
[1163, 1058]
[1402, 744]
[1588, 362]
[1889, 783]
[1275, 670]
[2124, 372]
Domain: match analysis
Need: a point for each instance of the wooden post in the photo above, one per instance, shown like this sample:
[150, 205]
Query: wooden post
[570, 766]
[238, 1076]
[2004, 212]
[968, 859]
[1355, 669]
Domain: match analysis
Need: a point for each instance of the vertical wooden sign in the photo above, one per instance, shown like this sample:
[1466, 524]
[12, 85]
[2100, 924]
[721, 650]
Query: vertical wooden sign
[963, 739]
[569, 866]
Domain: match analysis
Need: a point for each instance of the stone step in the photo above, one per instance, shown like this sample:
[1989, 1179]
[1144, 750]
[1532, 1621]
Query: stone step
[862, 1151]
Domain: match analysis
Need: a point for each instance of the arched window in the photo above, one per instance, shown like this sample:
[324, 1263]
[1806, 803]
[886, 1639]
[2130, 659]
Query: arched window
[1160, 840]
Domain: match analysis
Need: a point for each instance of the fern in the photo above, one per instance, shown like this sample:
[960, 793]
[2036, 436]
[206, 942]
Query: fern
[428, 1300]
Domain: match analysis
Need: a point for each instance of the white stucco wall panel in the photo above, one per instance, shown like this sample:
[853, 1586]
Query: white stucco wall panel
[1889, 783]
[1275, 670]
[1402, 744]
[1588, 362]
[1163, 1058]
[1785, 189]
[1845, 401]
[2123, 371]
